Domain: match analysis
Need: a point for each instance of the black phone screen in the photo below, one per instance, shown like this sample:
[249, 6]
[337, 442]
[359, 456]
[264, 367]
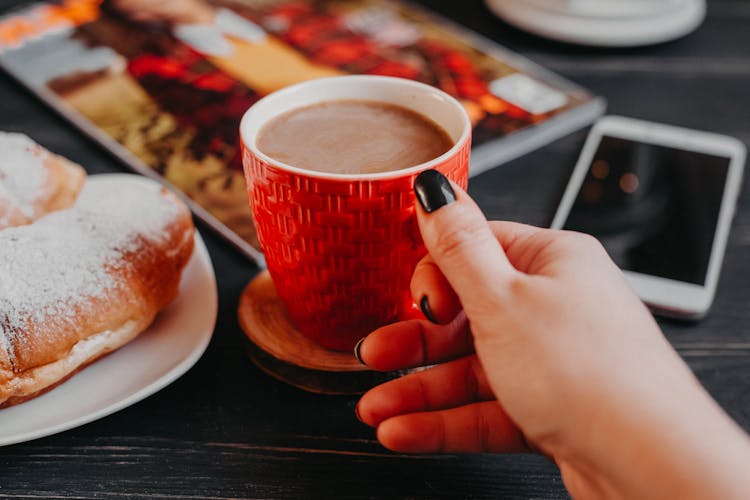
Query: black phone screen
[654, 208]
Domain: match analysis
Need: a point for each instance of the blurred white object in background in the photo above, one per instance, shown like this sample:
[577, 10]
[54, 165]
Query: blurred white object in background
[606, 23]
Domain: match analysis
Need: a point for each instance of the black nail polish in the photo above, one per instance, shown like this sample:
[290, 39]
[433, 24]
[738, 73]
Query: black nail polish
[356, 351]
[424, 304]
[433, 190]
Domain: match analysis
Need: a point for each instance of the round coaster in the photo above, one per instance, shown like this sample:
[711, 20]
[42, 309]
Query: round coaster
[277, 347]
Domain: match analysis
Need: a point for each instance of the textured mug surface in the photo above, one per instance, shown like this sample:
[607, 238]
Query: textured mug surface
[341, 249]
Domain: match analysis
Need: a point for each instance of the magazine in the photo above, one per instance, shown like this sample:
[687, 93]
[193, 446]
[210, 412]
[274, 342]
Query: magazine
[163, 85]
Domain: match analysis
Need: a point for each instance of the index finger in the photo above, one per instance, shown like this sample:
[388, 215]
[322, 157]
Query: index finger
[459, 239]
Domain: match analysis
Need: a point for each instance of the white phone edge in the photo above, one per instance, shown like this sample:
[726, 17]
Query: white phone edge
[666, 296]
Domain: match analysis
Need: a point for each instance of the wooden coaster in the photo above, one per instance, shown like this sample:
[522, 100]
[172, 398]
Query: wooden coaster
[276, 346]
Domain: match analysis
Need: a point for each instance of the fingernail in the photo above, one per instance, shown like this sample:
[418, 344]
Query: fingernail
[433, 190]
[356, 350]
[356, 412]
[424, 304]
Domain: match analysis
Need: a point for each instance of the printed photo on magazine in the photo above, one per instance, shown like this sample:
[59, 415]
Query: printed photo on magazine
[163, 85]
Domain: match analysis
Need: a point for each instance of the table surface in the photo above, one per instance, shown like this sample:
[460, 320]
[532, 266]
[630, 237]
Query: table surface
[227, 430]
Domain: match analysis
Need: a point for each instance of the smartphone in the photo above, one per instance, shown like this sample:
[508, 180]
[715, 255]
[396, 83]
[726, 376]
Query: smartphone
[661, 200]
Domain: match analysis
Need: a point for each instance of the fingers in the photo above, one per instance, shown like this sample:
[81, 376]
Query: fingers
[459, 239]
[475, 428]
[433, 293]
[415, 343]
[444, 386]
[517, 239]
[539, 251]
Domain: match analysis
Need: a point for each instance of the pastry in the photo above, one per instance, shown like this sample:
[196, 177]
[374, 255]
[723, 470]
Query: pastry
[34, 181]
[79, 283]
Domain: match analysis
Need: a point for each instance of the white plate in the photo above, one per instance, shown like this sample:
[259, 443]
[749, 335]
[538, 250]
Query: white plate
[603, 23]
[156, 358]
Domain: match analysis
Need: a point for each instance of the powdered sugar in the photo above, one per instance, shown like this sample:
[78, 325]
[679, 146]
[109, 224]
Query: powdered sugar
[131, 202]
[51, 269]
[22, 171]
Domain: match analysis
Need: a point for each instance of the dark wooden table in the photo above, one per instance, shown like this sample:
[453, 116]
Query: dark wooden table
[226, 430]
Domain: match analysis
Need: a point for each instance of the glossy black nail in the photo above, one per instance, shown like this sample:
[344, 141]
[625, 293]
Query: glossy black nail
[424, 304]
[356, 350]
[433, 190]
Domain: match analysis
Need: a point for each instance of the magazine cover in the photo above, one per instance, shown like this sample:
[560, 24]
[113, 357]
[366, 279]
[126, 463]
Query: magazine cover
[163, 85]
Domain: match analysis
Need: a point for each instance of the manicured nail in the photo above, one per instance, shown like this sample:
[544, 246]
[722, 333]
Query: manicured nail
[424, 304]
[433, 190]
[356, 350]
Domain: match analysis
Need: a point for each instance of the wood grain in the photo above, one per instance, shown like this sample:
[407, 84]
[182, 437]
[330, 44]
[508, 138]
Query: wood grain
[278, 348]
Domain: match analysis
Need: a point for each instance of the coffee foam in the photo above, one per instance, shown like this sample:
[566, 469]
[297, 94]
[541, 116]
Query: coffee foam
[353, 136]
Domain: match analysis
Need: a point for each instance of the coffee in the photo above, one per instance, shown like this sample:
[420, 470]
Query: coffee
[353, 137]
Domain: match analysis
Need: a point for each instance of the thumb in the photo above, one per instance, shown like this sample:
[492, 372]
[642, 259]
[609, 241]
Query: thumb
[461, 242]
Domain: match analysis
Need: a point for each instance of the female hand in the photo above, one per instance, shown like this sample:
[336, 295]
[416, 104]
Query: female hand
[540, 344]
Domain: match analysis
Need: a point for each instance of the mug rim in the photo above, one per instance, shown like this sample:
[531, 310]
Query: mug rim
[385, 80]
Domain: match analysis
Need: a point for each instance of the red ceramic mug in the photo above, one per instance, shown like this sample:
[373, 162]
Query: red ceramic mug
[341, 248]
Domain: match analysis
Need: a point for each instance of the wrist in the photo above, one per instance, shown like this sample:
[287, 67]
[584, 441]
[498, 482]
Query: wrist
[676, 443]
